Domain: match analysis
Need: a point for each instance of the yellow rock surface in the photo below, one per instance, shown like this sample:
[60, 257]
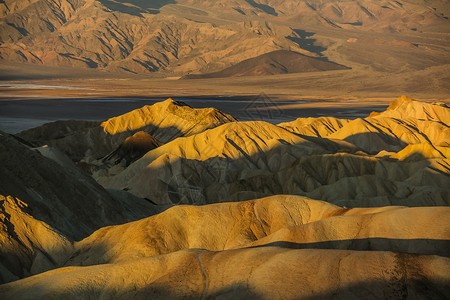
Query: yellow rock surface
[320, 127]
[354, 163]
[214, 227]
[374, 243]
[405, 107]
[167, 114]
[289, 219]
[27, 246]
[265, 272]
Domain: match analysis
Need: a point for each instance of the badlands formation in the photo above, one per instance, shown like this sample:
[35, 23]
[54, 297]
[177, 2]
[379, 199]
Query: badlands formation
[171, 202]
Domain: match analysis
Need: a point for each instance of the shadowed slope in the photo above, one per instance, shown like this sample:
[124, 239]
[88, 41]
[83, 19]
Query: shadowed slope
[353, 163]
[133, 148]
[27, 245]
[47, 203]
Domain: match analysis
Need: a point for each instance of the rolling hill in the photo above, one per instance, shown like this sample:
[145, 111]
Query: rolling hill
[191, 203]
[272, 63]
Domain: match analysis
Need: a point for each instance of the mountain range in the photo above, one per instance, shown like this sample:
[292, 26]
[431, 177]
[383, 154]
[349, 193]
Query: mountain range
[180, 37]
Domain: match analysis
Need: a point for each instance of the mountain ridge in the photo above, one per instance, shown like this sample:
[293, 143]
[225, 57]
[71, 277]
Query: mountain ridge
[191, 36]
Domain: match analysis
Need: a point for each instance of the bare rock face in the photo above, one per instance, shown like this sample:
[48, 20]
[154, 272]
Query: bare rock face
[246, 273]
[286, 221]
[167, 120]
[51, 193]
[132, 37]
[405, 108]
[261, 232]
[28, 246]
[318, 127]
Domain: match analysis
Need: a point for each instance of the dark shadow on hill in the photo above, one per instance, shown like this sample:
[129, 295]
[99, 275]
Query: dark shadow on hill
[89, 62]
[64, 197]
[22, 30]
[374, 142]
[136, 7]
[306, 42]
[417, 287]
[318, 168]
[411, 246]
[264, 7]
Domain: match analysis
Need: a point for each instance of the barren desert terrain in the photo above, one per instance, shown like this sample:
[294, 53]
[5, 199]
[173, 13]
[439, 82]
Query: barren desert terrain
[230, 149]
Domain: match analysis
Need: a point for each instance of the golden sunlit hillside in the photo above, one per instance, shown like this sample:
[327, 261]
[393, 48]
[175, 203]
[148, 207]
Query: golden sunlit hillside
[324, 193]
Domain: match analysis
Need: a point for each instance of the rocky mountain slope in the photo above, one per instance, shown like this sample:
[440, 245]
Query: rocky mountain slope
[179, 37]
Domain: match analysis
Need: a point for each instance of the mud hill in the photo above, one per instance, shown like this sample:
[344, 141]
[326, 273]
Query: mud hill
[129, 261]
[91, 143]
[326, 199]
[388, 159]
[397, 157]
[276, 62]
